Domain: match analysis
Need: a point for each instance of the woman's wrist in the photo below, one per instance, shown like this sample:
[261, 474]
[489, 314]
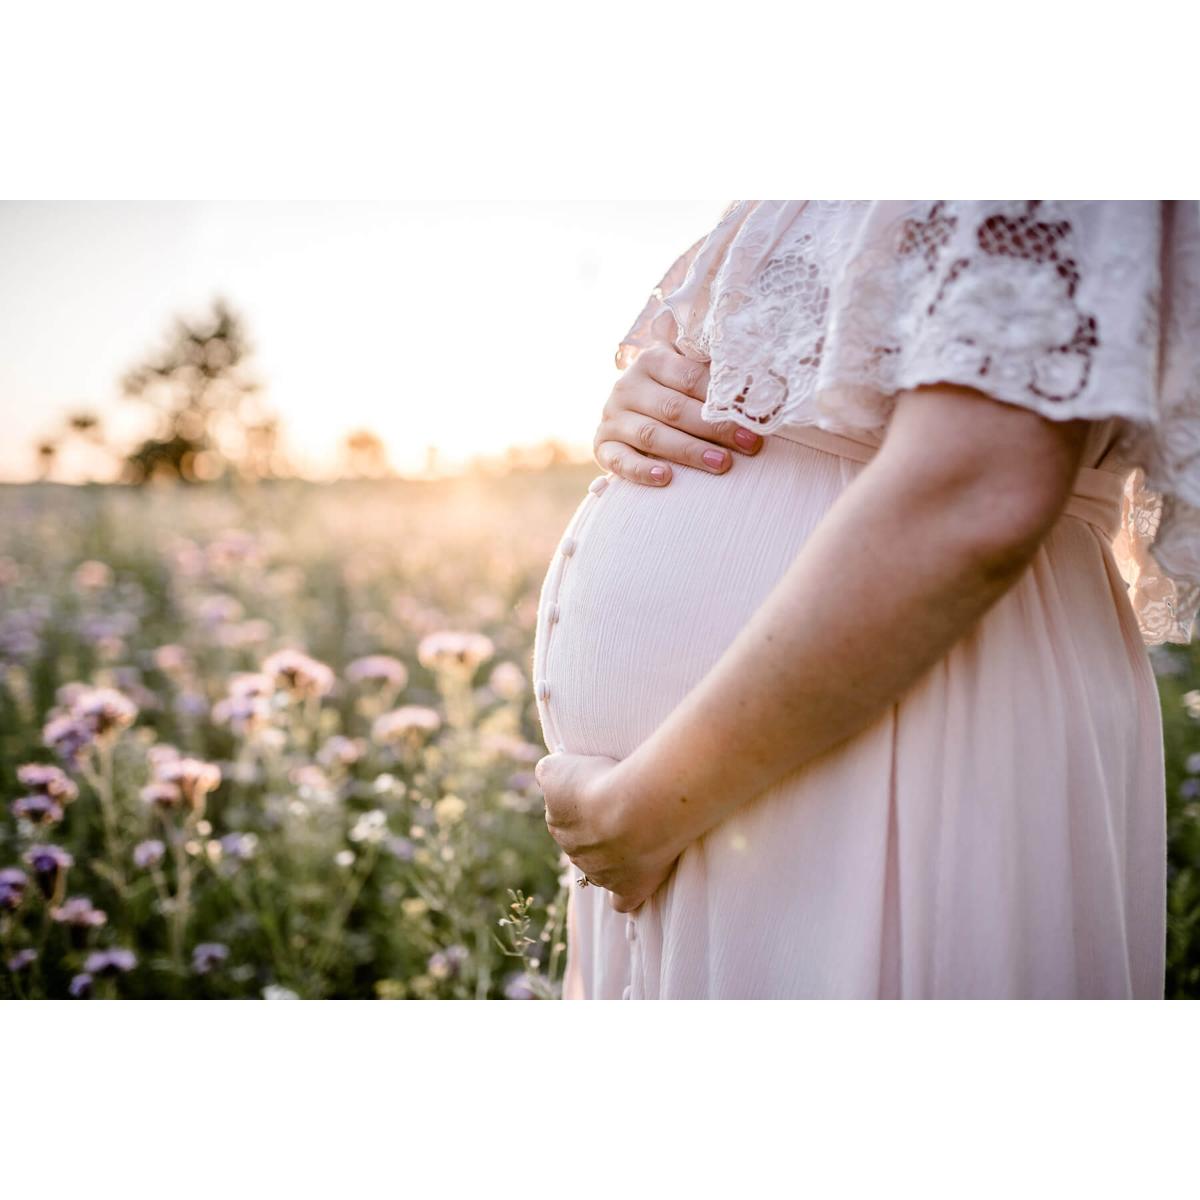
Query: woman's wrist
[663, 812]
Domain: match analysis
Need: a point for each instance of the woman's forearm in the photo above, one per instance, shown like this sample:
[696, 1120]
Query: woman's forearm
[890, 579]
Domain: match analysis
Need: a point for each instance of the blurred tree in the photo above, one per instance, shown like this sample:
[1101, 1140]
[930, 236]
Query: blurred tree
[87, 425]
[47, 452]
[211, 419]
[81, 426]
[364, 456]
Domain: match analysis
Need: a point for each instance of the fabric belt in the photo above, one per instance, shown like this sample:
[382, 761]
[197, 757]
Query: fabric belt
[1097, 497]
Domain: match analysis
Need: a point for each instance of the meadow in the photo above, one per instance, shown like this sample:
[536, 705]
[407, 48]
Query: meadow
[277, 741]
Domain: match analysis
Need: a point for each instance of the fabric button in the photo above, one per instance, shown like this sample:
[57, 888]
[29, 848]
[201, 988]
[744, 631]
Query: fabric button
[630, 930]
[598, 484]
[568, 546]
[626, 993]
[543, 689]
[552, 614]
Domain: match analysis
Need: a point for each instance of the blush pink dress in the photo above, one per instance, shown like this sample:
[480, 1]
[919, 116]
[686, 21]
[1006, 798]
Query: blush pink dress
[998, 831]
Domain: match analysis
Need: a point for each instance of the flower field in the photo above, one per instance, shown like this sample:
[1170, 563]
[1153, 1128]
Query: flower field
[278, 742]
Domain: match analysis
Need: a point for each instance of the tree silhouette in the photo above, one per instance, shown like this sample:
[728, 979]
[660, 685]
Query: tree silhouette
[211, 418]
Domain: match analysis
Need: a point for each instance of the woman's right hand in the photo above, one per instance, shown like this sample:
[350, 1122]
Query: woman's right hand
[652, 418]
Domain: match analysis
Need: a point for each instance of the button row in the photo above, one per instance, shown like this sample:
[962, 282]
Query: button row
[553, 612]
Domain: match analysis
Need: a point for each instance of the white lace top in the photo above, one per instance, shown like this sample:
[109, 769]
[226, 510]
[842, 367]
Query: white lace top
[820, 312]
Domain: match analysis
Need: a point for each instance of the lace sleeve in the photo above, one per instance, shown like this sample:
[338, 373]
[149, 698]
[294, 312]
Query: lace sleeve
[1075, 310]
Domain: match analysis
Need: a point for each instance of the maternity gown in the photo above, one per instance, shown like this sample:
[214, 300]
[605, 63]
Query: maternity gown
[999, 830]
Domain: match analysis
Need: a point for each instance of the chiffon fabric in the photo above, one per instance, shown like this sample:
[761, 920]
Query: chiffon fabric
[998, 831]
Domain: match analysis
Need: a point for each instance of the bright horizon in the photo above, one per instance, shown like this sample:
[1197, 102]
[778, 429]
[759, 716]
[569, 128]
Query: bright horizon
[470, 328]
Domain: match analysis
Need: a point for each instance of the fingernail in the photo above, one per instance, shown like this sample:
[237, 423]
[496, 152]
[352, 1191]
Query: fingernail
[714, 458]
[659, 473]
[746, 438]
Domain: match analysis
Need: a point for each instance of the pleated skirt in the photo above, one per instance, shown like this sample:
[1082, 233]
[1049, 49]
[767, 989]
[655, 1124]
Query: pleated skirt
[997, 832]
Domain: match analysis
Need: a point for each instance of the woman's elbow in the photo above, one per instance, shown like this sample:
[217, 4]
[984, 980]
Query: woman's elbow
[1001, 475]
[1005, 516]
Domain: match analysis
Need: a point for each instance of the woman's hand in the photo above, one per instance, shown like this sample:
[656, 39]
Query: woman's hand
[652, 417]
[588, 815]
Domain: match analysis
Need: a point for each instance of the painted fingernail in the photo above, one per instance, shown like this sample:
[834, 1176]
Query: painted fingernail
[658, 473]
[746, 438]
[714, 458]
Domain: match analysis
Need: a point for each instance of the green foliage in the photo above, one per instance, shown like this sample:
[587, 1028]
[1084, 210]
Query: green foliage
[1178, 669]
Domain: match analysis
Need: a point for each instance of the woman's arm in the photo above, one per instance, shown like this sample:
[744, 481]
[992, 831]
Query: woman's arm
[929, 535]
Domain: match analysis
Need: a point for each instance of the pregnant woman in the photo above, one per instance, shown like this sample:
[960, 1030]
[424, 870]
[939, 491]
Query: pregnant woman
[843, 667]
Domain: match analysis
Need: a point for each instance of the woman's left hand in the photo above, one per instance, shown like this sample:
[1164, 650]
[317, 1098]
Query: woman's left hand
[590, 815]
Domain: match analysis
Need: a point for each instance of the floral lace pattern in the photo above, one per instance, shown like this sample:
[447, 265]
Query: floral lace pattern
[821, 312]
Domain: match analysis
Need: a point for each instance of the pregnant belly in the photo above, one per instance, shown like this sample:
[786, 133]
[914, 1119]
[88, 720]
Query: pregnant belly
[650, 585]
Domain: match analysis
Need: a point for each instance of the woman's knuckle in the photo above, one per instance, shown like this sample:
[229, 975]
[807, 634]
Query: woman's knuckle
[671, 408]
[691, 376]
[647, 434]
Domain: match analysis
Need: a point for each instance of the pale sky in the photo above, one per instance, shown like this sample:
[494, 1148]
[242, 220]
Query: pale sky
[473, 327]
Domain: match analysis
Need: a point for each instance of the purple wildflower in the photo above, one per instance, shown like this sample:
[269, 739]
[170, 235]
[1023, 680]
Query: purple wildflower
[13, 882]
[401, 848]
[161, 795]
[38, 809]
[47, 780]
[80, 987]
[115, 961]
[22, 961]
[50, 865]
[299, 674]
[446, 964]
[87, 715]
[191, 704]
[80, 915]
[148, 853]
[413, 721]
[452, 650]
[191, 779]
[247, 708]
[379, 669]
[105, 711]
[79, 910]
[341, 751]
[240, 847]
[518, 987]
[67, 737]
[207, 956]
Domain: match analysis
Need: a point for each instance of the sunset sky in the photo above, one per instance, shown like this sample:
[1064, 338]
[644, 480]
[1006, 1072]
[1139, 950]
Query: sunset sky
[471, 328]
